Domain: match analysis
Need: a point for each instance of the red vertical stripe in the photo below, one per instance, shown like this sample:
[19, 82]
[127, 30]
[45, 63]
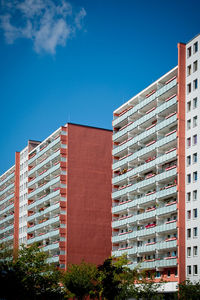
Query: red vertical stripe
[181, 162]
[16, 201]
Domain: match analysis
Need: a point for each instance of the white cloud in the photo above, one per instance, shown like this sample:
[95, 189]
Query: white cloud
[47, 23]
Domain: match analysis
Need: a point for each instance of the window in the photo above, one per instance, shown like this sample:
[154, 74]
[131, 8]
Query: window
[195, 84]
[194, 139]
[189, 52]
[194, 158]
[195, 270]
[195, 251]
[189, 106]
[188, 160]
[195, 176]
[189, 69]
[195, 195]
[176, 272]
[188, 251]
[188, 142]
[189, 233]
[195, 102]
[157, 274]
[168, 273]
[189, 178]
[195, 121]
[195, 213]
[195, 66]
[195, 232]
[188, 197]
[189, 214]
[195, 47]
[189, 88]
[189, 270]
[188, 124]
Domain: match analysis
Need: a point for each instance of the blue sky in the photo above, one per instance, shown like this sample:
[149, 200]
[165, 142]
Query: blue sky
[77, 61]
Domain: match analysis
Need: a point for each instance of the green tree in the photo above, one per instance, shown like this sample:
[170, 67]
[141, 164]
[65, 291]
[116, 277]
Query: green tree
[145, 287]
[115, 279]
[29, 276]
[188, 290]
[80, 280]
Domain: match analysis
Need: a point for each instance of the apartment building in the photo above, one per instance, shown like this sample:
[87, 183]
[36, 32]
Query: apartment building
[58, 194]
[155, 174]
[13, 200]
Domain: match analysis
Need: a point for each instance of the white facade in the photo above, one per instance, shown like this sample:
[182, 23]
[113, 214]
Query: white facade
[145, 179]
[23, 192]
[192, 151]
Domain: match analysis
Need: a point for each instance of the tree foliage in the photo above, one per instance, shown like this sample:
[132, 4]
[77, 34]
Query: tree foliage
[189, 290]
[80, 279]
[29, 276]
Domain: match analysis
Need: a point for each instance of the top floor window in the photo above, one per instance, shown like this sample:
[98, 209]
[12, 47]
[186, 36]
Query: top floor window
[189, 52]
[195, 47]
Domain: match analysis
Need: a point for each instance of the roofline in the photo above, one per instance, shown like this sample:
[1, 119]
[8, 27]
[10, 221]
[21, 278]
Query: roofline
[142, 91]
[88, 126]
[193, 38]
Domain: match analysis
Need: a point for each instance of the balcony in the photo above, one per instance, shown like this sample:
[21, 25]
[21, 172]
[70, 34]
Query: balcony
[7, 199]
[44, 150]
[144, 102]
[42, 164]
[7, 210]
[44, 175]
[145, 200]
[139, 154]
[145, 167]
[53, 209]
[48, 235]
[7, 179]
[9, 187]
[7, 219]
[45, 186]
[170, 227]
[51, 221]
[7, 239]
[53, 246]
[144, 183]
[129, 127]
[49, 197]
[145, 134]
[8, 228]
[53, 259]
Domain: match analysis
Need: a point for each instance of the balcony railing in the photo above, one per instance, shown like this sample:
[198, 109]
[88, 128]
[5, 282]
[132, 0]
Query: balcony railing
[44, 224]
[45, 149]
[7, 209]
[43, 175]
[45, 186]
[7, 179]
[46, 198]
[7, 199]
[44, 162]
[145, 199]
[145, 150]
[7, 229]
[145, 249]
[9, 187]
[145, 232]
[43, 237]
[145, 183]
[145, 134]
[145, 118]
[144, 102]
[145, 166]
[47, 210]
